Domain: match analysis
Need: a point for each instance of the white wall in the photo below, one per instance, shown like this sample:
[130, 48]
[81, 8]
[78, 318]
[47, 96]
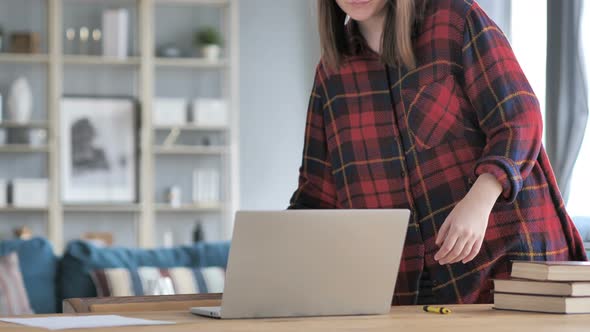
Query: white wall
[500, 11]
[278, 53]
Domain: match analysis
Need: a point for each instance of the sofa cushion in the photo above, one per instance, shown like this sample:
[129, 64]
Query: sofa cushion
[81, 258]
[13, 296]
[158, 281]
[38, 265]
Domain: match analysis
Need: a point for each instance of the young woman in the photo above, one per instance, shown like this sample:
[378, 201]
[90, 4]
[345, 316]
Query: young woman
[422, 105]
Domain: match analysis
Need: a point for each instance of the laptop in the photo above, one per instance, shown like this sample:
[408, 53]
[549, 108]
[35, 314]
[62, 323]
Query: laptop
[297, 263]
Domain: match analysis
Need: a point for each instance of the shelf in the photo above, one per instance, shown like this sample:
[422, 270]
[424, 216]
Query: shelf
[189, 63]
[22, 209]
[191, 150]
[33, 124]
[24, 58]
[102, 208]
[100, 60]
[216, 3]
[22, 148]
[213, 207]
[192, 127]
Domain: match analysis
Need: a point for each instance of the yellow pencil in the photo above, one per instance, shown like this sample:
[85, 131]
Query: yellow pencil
[437, 310]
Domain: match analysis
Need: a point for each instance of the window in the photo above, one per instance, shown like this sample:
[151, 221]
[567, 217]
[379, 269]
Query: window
[529, 21]
[579, 203]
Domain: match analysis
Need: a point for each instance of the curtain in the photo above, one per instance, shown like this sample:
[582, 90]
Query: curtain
[567, 99]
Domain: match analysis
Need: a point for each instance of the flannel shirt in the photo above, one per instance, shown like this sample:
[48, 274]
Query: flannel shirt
[382, 137]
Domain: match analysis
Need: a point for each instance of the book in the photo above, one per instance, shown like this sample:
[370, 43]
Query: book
[540, 303]
[518, 286]
[554, 271]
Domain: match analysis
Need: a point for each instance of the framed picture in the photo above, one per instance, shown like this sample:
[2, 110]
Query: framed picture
[98, 150]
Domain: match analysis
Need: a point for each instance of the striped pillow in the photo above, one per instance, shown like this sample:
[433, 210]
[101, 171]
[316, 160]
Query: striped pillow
[13, 295]
[179, 280]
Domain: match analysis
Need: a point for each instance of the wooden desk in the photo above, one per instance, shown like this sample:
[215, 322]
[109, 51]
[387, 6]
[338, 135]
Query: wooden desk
[468, 318]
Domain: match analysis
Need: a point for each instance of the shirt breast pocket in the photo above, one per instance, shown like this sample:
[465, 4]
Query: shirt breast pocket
[434, 113]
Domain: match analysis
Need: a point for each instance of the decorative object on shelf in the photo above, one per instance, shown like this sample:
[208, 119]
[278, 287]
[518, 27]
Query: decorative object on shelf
[30, 193]
[20, 101]
[169, 112]
[23, 233]
[206, 183]
[210, 112]
[198, 234]
[174, 196]
[115, 28]
[3, 193]
[169, 51]
[25, 42]
[19, 109]
[103, 239]
[84, 41]
[96, 41]
[170, 140]
[99, 150]
[38, 137]
[209, 40]
[70, 40]
[206, 141]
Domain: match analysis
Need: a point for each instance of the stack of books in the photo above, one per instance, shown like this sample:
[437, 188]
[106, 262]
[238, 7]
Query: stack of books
[553, 287]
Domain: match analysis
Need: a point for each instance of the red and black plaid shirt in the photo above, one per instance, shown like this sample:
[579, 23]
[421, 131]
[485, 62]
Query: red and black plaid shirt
[387, 137]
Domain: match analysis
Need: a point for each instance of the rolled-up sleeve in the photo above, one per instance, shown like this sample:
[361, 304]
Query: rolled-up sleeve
[507, 109]
[316, 189]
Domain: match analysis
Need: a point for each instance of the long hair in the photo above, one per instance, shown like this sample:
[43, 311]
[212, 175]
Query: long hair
[401, 20]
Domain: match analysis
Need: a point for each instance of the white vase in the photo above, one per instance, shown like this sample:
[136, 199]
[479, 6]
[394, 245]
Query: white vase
[211, 52]
[20, 101]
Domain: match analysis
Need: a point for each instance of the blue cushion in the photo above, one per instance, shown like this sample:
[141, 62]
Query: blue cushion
[80, 258]
[38, 266]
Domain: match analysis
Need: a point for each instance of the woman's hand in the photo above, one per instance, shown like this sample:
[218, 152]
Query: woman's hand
[461, 235]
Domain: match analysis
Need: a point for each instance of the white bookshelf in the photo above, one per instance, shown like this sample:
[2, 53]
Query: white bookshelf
[145, 65]
[24, 58]
[100, 60]
[190, 63]
[32, 124]
[23, 148]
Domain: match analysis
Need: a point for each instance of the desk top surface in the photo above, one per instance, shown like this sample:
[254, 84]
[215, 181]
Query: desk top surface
[412, 318]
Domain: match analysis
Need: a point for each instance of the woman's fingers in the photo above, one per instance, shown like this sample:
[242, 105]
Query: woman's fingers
[466, 251]
[474, 251]
[449, 243]
[456, 251]
[442, 233]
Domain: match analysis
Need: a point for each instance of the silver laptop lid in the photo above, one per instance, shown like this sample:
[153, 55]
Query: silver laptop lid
[313, 262]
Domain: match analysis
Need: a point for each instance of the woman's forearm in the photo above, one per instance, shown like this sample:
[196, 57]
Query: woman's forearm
[486, 190]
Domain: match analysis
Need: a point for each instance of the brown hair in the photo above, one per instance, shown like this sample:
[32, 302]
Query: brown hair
[402, 17]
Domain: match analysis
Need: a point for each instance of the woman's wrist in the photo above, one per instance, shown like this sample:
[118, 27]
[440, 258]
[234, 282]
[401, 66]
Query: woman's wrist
[486, 189]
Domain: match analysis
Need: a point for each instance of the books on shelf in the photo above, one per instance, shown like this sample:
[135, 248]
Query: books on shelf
[551, 287]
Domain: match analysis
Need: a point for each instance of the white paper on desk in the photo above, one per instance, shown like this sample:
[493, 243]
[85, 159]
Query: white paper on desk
[82, 322]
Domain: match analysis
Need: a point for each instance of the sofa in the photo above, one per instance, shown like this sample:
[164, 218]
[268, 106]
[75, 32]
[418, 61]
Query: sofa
[50, 279]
